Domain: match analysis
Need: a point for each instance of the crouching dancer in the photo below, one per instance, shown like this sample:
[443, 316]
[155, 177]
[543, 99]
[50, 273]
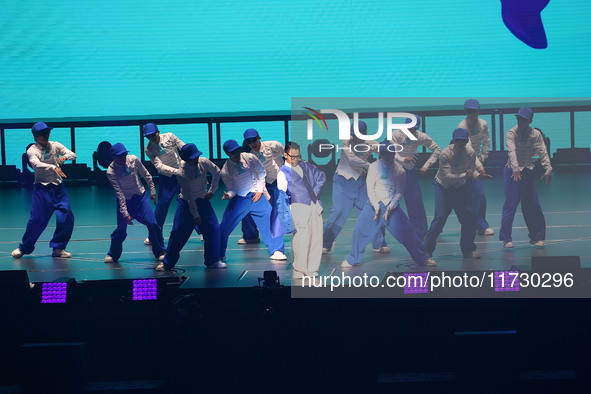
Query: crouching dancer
[454, 185]
[132, 202]
[194, 208]
[244, 177]
[385, 187]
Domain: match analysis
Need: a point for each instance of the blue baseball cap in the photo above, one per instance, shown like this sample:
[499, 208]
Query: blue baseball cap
[472, 104]
[230, 146]
[525, 113]
[418, 125]
[362, 127]
[41, 128]
[118, 149]
[149, 129]
[251, 133]
[460, 134]
[189, 152]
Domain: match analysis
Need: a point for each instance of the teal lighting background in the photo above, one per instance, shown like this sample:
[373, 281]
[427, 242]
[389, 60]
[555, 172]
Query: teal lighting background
[124, 58]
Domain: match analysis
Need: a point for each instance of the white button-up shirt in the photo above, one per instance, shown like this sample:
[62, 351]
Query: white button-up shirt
[271, 156]
[410, 148]
[453, 165]
[165, 155]
[479, 137]
[354, 164]
[126, 183]
[385, 183]
[193, 181]
[246, 176]
[44, 161]
[523, 146]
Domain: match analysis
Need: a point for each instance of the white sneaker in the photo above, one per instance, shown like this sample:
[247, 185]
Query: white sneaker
[489, 231]
[17, 253]
[297, 275]
[219, 264]
[61, 253]
[160, 267]
[508, 245]
[160, 258]
[472, 255]
[539, 244]
[383, 249]
[147, 241]
[109, 260]
[243, 241]
[278, 255]
[313, 274]
[430, 263]
[345, 264]
[325, 250]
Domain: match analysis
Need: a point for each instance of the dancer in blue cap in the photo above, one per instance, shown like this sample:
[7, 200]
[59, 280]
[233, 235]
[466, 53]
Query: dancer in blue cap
[386, 180]
[49, 194]
[413, 198]
[132, 202]
[523, 144]
[349, 189]
[244, 177]
[453, 181]
[163, 150]
[194, 208]
[270, 154]
[480, 142]
[302, 183]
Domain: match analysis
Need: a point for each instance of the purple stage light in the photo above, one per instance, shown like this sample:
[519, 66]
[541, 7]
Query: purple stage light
[416, 283]
[145, 289]
[507, 281]
[54, 293]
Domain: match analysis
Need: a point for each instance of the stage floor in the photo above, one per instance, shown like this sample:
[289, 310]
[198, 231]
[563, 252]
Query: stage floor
[565, 203]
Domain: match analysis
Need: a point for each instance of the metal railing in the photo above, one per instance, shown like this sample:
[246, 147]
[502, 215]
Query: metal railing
[215, 121]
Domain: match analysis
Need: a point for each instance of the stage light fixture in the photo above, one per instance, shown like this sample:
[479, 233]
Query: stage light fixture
[270, 279]
[416, 283]
[507, 281]
[145, 289]
[54, 293]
